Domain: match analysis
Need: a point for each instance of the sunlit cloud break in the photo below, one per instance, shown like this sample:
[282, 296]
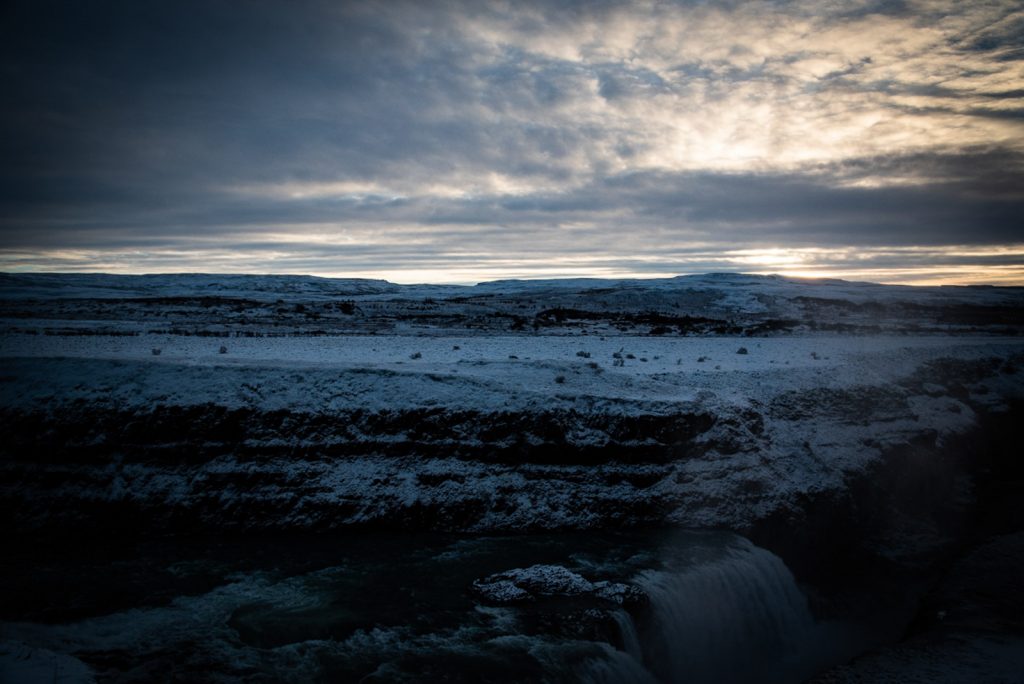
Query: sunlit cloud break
[460, 142]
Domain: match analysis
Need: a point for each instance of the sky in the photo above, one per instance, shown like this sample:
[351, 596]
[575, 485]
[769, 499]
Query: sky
[469, 141]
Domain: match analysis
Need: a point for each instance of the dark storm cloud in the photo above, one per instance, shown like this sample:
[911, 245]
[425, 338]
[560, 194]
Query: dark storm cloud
[807, 208]
[540, 128]
[204, 92]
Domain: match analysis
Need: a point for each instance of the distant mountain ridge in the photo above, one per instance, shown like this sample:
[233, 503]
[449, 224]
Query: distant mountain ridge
[298, 287]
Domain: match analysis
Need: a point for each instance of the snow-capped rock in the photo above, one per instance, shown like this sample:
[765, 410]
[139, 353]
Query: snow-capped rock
[546, 581]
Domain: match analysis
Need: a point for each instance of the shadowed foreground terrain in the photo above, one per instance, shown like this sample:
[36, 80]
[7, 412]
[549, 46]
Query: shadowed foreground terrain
[244, 478]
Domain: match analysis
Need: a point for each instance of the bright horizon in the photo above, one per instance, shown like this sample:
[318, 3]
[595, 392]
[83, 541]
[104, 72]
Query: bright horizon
[403, 277]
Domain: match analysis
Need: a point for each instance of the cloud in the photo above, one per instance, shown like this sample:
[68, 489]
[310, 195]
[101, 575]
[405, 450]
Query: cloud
[536, 129]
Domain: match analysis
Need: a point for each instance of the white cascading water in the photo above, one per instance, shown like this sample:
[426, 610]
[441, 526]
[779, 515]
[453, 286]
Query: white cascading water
[737, 616]
[630, 637]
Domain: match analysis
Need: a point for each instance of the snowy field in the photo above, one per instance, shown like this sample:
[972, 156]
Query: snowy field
[640, 355]
[377, 371]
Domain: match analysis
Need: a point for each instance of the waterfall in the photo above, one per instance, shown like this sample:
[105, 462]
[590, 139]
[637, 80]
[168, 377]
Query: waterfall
[616, 667]
[628, 633]
[731, 614]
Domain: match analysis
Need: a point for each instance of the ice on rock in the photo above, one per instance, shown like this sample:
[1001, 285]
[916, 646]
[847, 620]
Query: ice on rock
[501, 591]
[622, 594]
[544, 581]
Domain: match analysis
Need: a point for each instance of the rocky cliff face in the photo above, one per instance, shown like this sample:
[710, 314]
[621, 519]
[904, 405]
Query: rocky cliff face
[889, 459]
[865, 461]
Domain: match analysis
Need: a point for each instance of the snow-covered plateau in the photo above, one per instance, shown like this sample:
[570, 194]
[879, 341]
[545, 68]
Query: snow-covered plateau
[862, 437]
